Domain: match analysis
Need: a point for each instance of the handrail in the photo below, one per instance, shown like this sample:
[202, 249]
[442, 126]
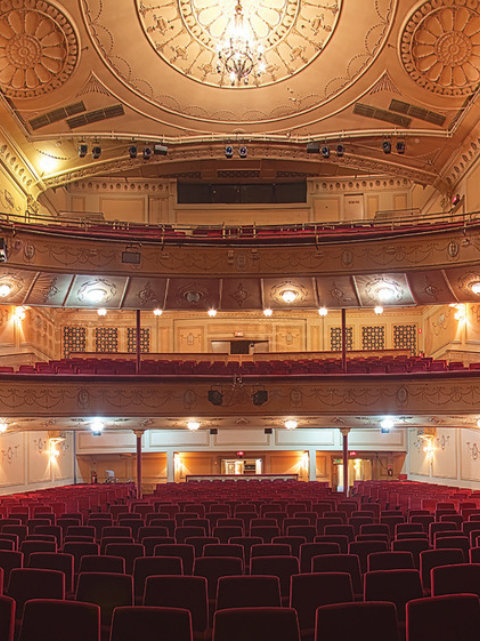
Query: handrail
[96, 226]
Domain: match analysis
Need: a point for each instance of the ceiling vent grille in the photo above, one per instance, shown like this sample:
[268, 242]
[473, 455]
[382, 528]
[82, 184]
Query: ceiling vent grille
[95, 116]
[56, 115]
[417, 112]
[381, 114]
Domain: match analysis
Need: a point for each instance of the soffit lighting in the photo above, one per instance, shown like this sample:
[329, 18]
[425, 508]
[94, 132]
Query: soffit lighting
[289, 296]
[212, 312]
[97, 426]
[239, 56]
[291, 424]
[323, 311]
[193, 426]
[387, 423]
[157, 311]
[475, 287]
[378, 309]
[101, 311]
[5, 290]
[267, 312]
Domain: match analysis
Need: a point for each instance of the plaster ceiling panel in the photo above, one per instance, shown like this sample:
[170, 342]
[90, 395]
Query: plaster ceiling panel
[430, 288]
[289, 293]
[145, 293]
[241, 293]
[193, 293]
[14, 285]
[462, 282]
[336, 291]
[50, 289]
[383, 289]
[96, 291]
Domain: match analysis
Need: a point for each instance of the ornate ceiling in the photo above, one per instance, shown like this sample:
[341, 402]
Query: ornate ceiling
[336, 70]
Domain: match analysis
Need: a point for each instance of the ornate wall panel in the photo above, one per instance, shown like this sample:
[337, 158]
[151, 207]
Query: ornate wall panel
[12, 459]
[74, 340]
[38, 457]
[132, 340]
[444, 463]
[405, 337]
[106, 339]
[470, 455]
[373, 337]
[336, 338]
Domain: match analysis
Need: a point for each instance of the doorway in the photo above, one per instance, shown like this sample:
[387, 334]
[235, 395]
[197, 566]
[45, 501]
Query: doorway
[359, 469]
[239, 466]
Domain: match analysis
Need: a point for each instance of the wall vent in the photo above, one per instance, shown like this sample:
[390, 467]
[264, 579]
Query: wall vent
[417, 112]
[56, 115]
[381, 114]
[95, 116]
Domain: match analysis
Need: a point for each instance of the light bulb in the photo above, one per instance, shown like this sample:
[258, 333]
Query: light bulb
[212, 312]
[475, 287]
[267, 312]
[157, 311]
[101, 311]
[378, 309]
[291, 424]
[193, 426]
[5, 290]
[289, 296]
[323, 311]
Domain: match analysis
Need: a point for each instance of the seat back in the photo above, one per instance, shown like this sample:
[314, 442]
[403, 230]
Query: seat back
[248, 592]
[109, 590]
[151, 624]
[55, 620]
[256, 624]
[374, 620]
[444, 618]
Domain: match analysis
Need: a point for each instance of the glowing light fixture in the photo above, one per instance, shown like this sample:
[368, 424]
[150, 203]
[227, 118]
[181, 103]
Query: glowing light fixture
[5, 290]
[193, 426]
[157, 311]
[385, 294]
[19, 314]
[291, 424]
[387, 423]
[460, 313]
[3, 427]
[323, 311]
[267, 312]
[475, 287]
[378, 309]
[239, 56]
[96, 295]
[212, 312]
[429, 449]
[54, 452]
[48, 164]
[478, 422]
[97, 426]
[101, 311]
[289, 296]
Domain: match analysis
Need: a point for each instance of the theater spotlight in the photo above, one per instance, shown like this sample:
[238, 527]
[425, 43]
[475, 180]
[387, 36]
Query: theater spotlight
[160, 150]
[386, 146]
[215, 397]
[3, 250]
[325, 151]
[96, 152]
[260, 397]
[82, 150]
[400, 147]
[132, 151]
[242, 152]
[228, 151]
[340, 150]
[147, 152]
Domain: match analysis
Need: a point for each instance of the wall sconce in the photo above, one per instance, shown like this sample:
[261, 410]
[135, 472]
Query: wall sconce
[429, 449]
[53, 448]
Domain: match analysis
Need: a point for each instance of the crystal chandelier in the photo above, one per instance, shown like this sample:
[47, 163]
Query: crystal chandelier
[239, 56]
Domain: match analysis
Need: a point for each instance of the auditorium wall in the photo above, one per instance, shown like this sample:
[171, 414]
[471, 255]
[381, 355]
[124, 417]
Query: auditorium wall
[26, 461]
[455, 459]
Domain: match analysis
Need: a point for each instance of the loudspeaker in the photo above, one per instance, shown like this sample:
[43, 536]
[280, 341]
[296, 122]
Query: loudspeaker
[3, 251]
[160, 150]
[260, 397]
[131, 258]
[268, 430]
[213, 431]
[215, 397]
[313, 148]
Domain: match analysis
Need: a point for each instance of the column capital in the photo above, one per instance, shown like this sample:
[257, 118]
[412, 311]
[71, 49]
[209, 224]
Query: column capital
[139, 433]
[345, 430]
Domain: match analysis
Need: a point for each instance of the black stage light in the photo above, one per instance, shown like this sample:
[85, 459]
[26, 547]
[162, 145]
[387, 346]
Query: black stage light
[386, 146]
[325, 151]
[242, 152]
[147, 152]
[214, 431]
[160, 150]
[400, 147]
[132, 151]
[228, 151]
[96, 152]
[215, 397]
[82, 150]
[340, 150]
[260, 397]
[268, 430]
[3, 250]
[313, 148]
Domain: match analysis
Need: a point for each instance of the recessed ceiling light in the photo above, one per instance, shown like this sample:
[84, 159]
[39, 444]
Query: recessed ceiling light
[289, 296]
[5, 290]
[291, 424]
[193, 426]
[475, 287]
[323, 311]
[385, 294]
[101, 311]
[97, 425]
[267, 311]
[3, 427]
[157, 311]
[96, 295]
[378, 309]
[387, 423]
[212, 312]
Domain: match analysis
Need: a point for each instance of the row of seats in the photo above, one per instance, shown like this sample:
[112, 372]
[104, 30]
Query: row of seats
[372, 365]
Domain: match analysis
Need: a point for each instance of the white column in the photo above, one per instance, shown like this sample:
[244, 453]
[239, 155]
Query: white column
[170, 466]
[312, 465]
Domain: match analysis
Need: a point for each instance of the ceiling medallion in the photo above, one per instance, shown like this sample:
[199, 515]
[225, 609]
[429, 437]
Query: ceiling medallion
[440, 46]
[38, 48]
[384, 290]
[288, 293]
[186, 34]
[96, 292]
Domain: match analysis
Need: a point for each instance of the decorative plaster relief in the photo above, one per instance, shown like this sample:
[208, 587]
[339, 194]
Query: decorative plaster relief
[38, 48]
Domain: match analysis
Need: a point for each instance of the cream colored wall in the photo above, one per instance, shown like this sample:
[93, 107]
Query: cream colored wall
[26, 464]
[455, 461]
[34, 339]
[450, 338]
